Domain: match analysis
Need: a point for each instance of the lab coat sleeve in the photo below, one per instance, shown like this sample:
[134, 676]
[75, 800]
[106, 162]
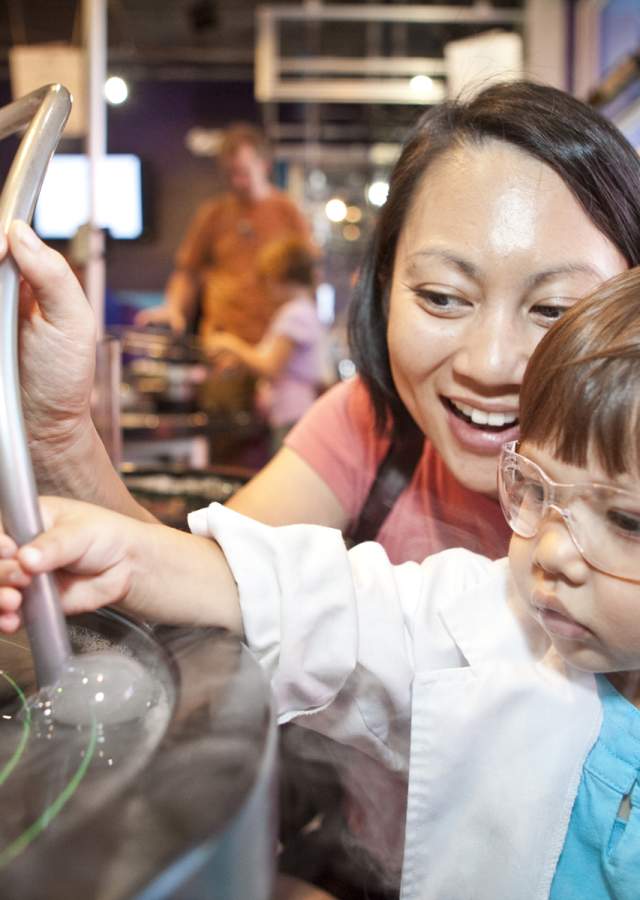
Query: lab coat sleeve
[331, 627]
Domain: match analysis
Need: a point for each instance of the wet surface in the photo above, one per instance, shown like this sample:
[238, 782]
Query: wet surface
[143, 753]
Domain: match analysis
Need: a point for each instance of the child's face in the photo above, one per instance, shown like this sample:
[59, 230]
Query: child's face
[592, 619]
[276, 289]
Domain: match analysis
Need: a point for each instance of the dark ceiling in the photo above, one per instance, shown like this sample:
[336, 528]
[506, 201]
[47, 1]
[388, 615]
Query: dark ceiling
[213, 40]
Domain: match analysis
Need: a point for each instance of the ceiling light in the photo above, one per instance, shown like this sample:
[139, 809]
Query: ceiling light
[377, 193]
[336, 210]
[351, 232]
[421, 86]
[115, 90]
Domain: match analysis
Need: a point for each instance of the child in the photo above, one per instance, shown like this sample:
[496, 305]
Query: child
[288, 358]
[507, 691]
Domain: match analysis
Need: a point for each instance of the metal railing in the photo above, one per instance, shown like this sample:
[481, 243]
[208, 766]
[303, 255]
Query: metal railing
[44, 113]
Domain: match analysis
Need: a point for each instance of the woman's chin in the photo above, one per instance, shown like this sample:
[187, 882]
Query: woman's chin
[478, 480]
[475, 471]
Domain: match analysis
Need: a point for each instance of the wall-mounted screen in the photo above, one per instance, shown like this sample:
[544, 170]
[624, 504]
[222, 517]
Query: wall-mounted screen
[63, 205]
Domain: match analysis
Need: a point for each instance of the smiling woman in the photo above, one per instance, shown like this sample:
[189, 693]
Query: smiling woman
[502, 212]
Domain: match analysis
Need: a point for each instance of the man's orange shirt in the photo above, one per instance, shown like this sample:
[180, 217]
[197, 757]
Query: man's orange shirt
[221, 248]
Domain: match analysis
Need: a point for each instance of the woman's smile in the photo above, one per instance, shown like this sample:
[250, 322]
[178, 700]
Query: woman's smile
[479, 430]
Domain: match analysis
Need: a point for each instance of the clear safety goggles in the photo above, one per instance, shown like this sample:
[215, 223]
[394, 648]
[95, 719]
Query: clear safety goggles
[603, 521]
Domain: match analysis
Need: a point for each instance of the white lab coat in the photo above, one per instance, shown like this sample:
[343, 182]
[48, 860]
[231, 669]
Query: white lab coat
[435, 669]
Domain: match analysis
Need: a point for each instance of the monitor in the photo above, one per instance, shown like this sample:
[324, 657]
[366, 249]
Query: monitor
[63, 205]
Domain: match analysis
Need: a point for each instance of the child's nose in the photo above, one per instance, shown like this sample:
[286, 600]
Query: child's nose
[556, 551]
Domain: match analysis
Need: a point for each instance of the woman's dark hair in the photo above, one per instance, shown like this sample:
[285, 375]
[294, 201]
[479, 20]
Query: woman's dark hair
[595, 161]
[580, 395]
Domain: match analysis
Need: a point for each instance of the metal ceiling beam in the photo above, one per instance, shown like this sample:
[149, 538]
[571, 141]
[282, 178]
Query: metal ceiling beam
[379, 65]
[480, 13]
[283, 79]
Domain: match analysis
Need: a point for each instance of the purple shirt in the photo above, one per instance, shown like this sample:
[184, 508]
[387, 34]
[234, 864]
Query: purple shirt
[295, 388]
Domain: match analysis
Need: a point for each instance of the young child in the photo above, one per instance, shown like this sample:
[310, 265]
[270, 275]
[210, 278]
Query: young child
[507, 691]
[288, 358]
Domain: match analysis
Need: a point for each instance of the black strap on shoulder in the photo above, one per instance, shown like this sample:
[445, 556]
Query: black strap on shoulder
[393, 475]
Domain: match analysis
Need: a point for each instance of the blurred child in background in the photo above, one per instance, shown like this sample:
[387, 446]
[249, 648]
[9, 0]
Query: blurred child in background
[288, 359]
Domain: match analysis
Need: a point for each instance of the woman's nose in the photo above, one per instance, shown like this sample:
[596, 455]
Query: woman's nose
[556, 551]
[494, 352]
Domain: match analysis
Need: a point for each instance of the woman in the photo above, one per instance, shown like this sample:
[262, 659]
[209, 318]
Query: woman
[501, 213]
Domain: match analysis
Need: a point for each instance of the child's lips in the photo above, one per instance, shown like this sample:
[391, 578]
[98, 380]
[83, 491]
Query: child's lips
[557, 622]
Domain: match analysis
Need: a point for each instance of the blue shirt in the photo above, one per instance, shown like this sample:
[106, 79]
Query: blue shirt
[600, 859]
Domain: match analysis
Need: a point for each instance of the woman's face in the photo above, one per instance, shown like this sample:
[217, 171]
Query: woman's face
[493, 250]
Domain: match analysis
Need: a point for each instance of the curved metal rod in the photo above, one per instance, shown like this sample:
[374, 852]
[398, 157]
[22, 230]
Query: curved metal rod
[45, 111]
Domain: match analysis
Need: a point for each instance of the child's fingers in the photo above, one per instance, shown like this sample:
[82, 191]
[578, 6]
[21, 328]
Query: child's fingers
[60, 546]
[10, 599]
[83, 594]
[9, 622]
[10, 602]
[13, 575]
[8, 547]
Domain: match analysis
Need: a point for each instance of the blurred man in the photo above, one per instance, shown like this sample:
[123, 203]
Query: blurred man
[216, 262]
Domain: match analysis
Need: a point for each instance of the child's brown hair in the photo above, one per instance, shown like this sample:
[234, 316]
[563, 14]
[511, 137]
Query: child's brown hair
[288, 260]
[581, 391]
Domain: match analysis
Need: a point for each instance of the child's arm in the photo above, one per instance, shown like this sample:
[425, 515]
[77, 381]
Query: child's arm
[101, 557]
[266, 359]
[334, 630]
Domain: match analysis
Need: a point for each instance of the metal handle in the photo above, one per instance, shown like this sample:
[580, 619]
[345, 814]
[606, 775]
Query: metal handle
[45, 111]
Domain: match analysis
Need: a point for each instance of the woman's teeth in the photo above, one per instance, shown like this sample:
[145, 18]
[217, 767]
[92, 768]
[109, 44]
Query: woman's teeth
[481, 417]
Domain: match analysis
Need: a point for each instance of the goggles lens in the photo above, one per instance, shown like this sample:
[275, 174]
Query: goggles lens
[603, 521]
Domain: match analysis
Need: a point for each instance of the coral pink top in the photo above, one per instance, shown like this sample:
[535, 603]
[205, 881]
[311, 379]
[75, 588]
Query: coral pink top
[337, 439]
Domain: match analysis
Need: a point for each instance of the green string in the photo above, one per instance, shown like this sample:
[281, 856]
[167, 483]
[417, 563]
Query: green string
[26, 727]
[36, 828]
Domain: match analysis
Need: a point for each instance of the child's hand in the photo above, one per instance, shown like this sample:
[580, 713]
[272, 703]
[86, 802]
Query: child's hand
[12, 577]
[89, 547]
[222, 349]
[100, 557]
[222, 341]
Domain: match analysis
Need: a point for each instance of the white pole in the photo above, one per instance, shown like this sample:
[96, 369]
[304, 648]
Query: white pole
[94, 20]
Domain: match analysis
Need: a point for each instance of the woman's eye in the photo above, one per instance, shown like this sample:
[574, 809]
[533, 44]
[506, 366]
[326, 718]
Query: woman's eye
[438, 301]
[625, 522]
[548, 313]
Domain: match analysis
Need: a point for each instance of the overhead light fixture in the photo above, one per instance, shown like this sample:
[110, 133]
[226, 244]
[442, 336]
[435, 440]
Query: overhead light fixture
[351, 232]
[336, 210]
[377, 193]
[421, 86]
[116, 90]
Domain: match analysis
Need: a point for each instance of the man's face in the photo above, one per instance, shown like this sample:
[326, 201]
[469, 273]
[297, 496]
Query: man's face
[246, 173]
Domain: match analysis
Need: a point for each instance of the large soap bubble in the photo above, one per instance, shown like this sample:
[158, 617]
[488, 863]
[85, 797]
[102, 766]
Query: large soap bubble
[108, 688]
